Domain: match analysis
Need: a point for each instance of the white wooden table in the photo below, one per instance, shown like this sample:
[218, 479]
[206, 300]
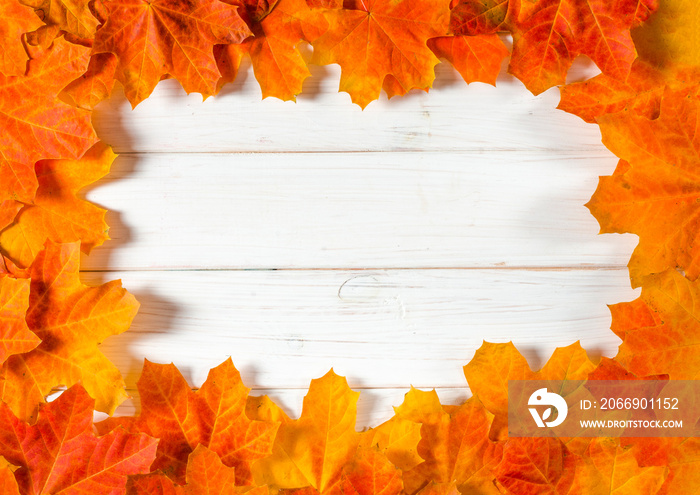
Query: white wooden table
[386, 244]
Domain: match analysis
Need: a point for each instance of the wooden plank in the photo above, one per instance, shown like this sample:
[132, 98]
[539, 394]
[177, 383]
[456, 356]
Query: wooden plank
[381, 328]
[354, 210]
[453, 116]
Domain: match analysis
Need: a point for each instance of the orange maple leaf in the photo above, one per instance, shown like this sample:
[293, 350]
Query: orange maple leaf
[536, 466]
[17, 181]
[71, 319]
[398, 440]
[454, 444]
[153, 38]
[8, 212]
[474, 49]
[684, 468]
[15, 20]
[8, 483]
[206, 475]
[494, 364]
[640, 93]
[36, 124]
[278, 28]
[214, 417]
[549, 34]
[382, 44]
[72, 16]
[370, 473]
[60, 454]
[95, 85]
[660, 330]
[312, 450]
[15, 335]
[609, 468]
[654, 193]
[56, 213]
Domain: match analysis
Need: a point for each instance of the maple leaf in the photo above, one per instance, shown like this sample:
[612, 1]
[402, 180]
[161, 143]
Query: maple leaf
[654, 193]
[60, 454]
[476, 58]
[206, 475]
[641, 93]
[494, 364]
[182, 419]
[312, 450]
[382, 43]
[370, 473]
[153, 38]
[56, 213]
[71, 319]
[36, 124]
[15, 335]
[278, 29]
[398, 440]
[549, 34]
[454, 444]
[683, 465]
[95, 85]
[71, 16]
[660, 330]
[670, 35]
[475, 17]
[15, 20]
[8, 212]
[474, 50]
[8, 483]
[609, 468]
[536, 466]
[17, 181]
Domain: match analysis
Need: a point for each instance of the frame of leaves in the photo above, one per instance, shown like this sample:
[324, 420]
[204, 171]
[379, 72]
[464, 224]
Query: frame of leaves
[61, 58]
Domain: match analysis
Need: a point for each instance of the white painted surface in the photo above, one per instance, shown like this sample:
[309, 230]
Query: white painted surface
[386, 243]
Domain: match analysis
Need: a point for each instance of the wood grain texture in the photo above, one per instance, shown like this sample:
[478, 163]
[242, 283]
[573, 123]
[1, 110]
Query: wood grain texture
[355, 210]
[386, 243]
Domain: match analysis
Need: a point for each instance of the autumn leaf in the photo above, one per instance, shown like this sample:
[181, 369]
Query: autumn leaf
[476, 17]
[684, 468]
[56, 213]
[536, 466]
[278, 29]
[71, 16]
[641, 93]
[455, 444]
[312, 450]
[206, 475]
[152, 38]
[655, 192]
[370, 473]
[60, 454]
[476, 58]
[214, 417]
[15, 335]
[608, 468]
[549, 34]
[494, 364]
[8, 211]
[397, 439]
[8, 484]
[15, 20]
[18, 181]
[95, 85]
[660, 329]
[71, 319]
[670, 37]
[36, 124]
[382, 43]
